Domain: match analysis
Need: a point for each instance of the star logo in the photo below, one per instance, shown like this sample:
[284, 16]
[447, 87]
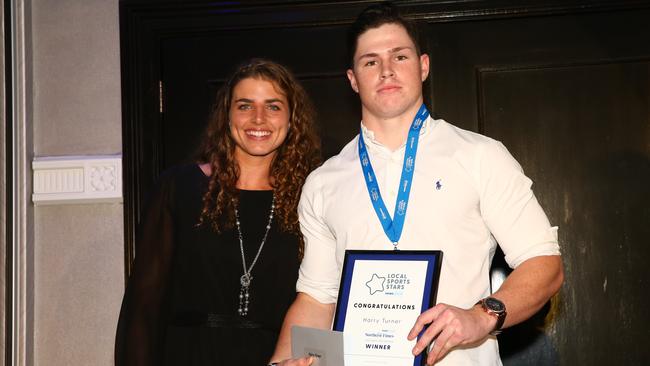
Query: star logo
[376, 284]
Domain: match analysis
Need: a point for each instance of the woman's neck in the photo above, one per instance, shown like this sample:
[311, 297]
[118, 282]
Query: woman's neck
[254, 172]
[253, 181]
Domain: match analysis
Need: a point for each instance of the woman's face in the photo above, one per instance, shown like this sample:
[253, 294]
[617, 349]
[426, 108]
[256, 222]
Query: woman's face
[259, 118]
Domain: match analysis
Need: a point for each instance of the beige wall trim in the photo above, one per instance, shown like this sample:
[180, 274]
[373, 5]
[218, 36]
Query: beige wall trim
[22, 240]
[77, 179]
[3, 192]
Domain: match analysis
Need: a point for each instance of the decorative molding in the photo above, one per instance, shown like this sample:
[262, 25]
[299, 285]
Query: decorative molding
[19, 317]
[77, 179]
[482, 70]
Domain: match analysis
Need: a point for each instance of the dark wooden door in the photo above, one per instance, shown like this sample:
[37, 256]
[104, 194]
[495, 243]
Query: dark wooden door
[569, 95]
[565, 86]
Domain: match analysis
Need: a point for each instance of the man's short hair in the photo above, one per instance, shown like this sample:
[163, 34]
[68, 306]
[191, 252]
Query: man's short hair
[375, 16]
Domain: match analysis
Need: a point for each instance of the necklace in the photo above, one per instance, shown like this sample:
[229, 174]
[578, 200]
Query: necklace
[246, 278]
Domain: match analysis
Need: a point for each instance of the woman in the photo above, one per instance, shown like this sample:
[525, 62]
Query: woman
[219, 248]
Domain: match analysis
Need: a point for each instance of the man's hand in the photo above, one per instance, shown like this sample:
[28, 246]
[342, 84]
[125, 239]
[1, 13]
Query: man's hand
[449, 327]
[524, 292]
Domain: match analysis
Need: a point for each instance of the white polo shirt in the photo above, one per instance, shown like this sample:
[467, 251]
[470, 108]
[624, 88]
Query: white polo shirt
[468, 192]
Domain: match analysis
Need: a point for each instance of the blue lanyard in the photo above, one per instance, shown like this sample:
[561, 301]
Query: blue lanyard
[393, 227]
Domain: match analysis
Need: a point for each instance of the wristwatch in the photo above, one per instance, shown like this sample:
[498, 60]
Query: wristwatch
[497, 309]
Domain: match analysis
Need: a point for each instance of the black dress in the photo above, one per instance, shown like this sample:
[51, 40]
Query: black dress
[180, 305]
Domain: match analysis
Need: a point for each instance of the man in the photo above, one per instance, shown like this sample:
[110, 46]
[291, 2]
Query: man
[467, 193]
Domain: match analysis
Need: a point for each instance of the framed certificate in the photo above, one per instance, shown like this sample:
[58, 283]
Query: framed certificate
[380, 296]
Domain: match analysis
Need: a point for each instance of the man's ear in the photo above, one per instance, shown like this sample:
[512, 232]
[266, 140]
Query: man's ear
[424, 66]
[353, 80]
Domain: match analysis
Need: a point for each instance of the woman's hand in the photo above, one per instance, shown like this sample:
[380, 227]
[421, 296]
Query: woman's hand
[305, 361]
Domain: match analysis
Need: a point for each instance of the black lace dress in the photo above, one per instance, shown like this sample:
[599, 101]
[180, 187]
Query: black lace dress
[180, 305]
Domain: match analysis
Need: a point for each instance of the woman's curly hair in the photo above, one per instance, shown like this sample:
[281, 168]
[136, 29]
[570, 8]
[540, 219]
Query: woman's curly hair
[298, 155]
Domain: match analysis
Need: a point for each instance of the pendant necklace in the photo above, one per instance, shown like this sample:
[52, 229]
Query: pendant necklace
[246, 278]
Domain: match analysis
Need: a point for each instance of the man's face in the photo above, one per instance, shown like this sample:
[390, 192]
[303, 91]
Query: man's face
[387, 72]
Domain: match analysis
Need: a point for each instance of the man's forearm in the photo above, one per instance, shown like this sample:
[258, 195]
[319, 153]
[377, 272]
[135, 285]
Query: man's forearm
[529, 287]
[305, 311]
[524, 292]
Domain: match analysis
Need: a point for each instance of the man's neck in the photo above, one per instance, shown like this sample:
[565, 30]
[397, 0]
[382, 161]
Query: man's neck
[390, 132]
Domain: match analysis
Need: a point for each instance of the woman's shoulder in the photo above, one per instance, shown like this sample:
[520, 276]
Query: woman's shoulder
[178, 185]
[179, 178]
[182, 173]
[182, 170]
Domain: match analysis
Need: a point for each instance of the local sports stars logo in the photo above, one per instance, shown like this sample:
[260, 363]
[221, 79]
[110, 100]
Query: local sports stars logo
[388, 283]
[376, 284]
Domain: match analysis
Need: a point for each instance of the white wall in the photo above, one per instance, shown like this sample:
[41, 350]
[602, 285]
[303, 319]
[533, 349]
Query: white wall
[78, 249]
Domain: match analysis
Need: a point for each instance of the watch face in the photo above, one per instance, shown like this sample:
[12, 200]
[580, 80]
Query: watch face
[495, 305]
